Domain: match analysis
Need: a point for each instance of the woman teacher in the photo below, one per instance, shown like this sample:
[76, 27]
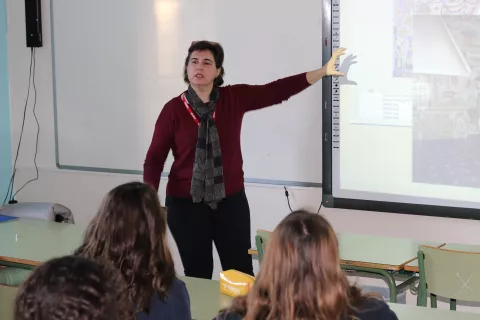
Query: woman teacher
[205, 192]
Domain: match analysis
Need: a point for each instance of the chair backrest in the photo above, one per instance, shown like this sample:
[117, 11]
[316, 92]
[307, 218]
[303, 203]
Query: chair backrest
[261, 241]
[450, 274]
[7, 300]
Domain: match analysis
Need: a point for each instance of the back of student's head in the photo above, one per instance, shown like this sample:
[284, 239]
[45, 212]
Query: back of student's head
[73, 288]
[130, 231]
[300, 275]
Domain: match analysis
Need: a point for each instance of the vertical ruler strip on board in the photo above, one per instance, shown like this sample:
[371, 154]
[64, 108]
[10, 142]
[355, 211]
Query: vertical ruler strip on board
[335, 80]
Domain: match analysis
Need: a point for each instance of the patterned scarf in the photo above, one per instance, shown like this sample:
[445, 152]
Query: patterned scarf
[207, 180]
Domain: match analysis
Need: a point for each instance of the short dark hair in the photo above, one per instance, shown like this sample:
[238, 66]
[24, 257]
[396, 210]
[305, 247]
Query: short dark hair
[73, 287]
[130, 231]
[218, 55]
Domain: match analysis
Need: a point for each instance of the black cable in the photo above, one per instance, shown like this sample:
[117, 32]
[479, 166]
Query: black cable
[38, 128]
[288, 198]
[14, 170]
[288, 201]
[320, 207]
[7, 195]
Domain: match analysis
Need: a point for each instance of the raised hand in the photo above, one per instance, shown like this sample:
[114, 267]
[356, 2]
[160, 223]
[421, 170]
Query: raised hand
[330, 66]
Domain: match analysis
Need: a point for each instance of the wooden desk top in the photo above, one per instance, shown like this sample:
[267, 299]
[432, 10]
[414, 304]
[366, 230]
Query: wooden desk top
[412, 266]
[32, 242]
[376, 252]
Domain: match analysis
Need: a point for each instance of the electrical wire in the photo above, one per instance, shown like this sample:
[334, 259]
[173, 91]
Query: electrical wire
[288, 198]
[287, 195]
[38, 129]
[9, 195]
[320, 207]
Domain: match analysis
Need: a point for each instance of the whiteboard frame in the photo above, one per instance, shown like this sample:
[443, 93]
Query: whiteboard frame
[136, 172]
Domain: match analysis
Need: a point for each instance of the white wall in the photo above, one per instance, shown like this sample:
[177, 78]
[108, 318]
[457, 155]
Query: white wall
[83, 191]
[5, 137]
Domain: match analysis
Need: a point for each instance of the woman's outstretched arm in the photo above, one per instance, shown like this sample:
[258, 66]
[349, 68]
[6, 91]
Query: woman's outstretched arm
[254, 97]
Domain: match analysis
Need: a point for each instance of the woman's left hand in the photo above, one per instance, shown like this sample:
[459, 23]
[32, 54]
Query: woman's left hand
[330, 66]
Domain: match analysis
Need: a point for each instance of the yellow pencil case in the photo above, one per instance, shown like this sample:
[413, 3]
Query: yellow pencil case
[235, 283]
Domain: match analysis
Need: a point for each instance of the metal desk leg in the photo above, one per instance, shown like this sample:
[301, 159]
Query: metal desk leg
[392, 287]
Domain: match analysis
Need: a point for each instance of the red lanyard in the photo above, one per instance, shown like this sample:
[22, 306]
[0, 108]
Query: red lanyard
[191, 111]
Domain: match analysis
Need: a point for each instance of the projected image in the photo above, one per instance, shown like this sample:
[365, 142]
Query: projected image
[410, 126]
[446, 107]
[404, 13]
[402, 32]
[443, 7]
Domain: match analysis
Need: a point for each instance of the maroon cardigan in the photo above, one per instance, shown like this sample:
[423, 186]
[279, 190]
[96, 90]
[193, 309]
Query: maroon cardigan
[176, 130]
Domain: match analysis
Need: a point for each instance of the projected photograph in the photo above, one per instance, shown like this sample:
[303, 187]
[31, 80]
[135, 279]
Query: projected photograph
[402, 32]
[443, 7]
[446, 107]
[406, 10]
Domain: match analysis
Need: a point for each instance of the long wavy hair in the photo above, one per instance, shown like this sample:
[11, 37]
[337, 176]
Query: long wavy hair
[73, 287]
[300, 276]
[130, 231]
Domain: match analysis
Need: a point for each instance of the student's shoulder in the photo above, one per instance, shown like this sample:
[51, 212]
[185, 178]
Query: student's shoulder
[175, 306]
[177, 285]
[373, 308]
[178, 292]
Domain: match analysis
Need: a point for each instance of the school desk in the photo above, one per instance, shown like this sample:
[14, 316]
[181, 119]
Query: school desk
[27, 243]
[410, 312]
[383, 256]
[206, 300]
[205, 297]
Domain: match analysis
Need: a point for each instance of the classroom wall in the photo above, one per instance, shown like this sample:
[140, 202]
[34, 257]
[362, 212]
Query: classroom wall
[5, 136]
[82, 191]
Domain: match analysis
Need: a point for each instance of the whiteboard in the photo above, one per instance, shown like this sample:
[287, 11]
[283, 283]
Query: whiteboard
[117, 62]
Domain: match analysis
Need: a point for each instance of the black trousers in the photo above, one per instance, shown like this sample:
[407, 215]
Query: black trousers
[195, 226]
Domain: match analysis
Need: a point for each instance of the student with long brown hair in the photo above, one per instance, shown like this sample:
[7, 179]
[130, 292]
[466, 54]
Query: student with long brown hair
[130, 231]
[301, 278]
[73, 287]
